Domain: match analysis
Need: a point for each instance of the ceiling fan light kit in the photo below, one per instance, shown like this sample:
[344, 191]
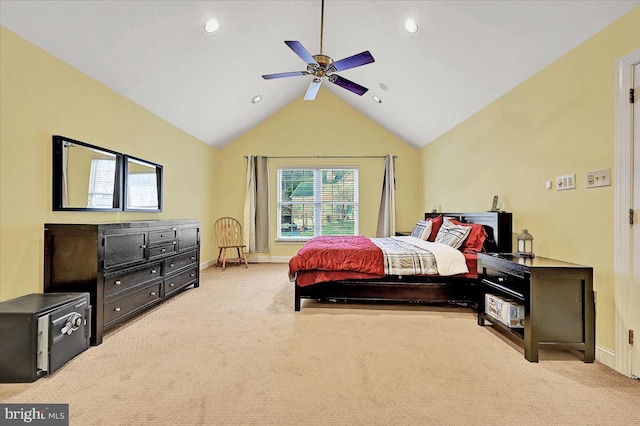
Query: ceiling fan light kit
[320, 66]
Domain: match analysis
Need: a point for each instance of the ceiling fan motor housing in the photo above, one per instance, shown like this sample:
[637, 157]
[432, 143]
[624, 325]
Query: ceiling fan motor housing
[322, 67]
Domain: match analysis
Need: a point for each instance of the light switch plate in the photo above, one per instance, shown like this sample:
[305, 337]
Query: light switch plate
[598, 178]
[565, 182]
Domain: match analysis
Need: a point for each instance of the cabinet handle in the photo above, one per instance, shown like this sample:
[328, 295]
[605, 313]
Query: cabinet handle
[153, 271]
[143, 246]
[116, 309]
[174, 229]
[172, 285]
[163, 250]
[501, 279]
[175, 242]
[171, 265]
[118, 282]
[153, 293]
[193, 258]
[162, 235]
[193, 275]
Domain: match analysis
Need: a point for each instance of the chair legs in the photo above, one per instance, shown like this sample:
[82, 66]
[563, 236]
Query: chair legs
[222, 257]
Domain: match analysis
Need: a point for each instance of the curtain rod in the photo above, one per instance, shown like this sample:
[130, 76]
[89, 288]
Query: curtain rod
[327, 156]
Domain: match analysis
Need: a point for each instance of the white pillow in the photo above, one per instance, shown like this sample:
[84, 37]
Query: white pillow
[422, 229]
[451, 234]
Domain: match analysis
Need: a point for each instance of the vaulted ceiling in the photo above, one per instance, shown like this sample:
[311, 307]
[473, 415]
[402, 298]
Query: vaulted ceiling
[155, 53]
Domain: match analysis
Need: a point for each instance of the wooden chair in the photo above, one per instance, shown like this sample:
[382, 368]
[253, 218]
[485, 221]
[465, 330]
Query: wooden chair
[229, 236]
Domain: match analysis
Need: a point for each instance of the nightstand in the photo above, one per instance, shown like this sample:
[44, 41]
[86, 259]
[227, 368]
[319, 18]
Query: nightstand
[558, 300]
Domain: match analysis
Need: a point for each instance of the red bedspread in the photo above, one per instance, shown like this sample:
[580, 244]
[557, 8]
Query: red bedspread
[343, 256]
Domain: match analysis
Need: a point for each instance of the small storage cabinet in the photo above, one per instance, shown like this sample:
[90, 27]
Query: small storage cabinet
[126, 267]
[558, 300]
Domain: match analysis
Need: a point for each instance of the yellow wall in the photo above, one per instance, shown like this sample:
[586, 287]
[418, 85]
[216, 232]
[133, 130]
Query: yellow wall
[325, 127]
[41, 96]
[560, 121]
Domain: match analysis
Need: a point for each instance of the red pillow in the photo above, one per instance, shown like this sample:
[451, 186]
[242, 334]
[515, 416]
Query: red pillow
[436, 223]
[475, 240]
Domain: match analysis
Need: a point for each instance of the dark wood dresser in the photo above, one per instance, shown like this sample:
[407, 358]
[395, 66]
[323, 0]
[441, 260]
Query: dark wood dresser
[126, 267]
[558, 300]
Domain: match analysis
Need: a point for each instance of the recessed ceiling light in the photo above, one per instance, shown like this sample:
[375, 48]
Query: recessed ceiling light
[384, 86]
[256, 99]
[411, 26]
[377, 99]
[211, 26]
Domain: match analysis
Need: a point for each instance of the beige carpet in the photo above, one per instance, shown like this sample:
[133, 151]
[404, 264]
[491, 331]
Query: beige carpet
[234, 352]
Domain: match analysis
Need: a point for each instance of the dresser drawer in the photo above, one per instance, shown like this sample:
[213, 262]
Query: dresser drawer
[163, 250]
[130, 303]
[180, 280]
[125, 280]
[180, 261]
[164, 236]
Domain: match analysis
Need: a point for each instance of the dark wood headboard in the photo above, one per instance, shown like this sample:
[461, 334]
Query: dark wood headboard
[497, 224]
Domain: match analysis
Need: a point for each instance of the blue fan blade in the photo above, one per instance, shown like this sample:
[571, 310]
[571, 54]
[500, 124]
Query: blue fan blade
[362, 58]
[312, 91]
[297, 47]
[348, 84]
[284, 74]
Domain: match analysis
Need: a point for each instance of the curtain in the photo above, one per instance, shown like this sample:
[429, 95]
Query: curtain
[387, 214]
[256, 205]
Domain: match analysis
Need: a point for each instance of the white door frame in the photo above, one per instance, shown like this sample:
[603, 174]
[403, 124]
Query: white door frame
[622, 263]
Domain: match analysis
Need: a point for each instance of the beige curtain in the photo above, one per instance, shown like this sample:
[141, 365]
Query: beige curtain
[387, 215]
[256, 205]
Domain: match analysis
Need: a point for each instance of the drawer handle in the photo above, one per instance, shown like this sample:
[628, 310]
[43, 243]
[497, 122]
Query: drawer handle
[501, 279]
[171, 265]
[175, 242]
[116, 309]
[143, 246]
[162, 235]
[153, 271]
[153, 293]
[174, 229]
[193, 258]
[172, 285]
[118, 282]
[193, 275]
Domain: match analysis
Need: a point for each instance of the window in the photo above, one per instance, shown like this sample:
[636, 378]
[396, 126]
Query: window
[315, 202]
[101, 183]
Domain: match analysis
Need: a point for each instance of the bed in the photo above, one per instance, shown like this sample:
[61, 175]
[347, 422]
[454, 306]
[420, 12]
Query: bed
[363, 280]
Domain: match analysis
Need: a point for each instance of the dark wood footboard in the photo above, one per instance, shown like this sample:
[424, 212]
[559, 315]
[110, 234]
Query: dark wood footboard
[414, 289]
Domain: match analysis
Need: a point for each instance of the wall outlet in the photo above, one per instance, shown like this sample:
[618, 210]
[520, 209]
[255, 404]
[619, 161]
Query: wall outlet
[566, 182]
[598, 178]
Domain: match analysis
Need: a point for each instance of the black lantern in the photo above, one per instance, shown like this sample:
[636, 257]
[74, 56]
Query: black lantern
[525, 245]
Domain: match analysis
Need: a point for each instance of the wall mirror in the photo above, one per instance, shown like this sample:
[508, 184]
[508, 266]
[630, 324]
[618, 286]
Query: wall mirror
[142, 185]
[85, 177]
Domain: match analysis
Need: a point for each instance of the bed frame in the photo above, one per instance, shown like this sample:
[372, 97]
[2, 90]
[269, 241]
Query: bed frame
[418, 289]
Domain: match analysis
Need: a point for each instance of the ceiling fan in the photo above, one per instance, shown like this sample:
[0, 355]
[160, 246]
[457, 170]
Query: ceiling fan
[320, 66]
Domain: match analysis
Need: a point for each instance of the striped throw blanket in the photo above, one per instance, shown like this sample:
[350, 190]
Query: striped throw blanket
[413, 256]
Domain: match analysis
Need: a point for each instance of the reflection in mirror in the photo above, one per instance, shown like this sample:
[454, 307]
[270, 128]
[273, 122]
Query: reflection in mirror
[85, 177]
[143, 185]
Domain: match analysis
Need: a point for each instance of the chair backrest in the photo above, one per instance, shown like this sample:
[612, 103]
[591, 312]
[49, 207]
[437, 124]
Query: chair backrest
[228, 232]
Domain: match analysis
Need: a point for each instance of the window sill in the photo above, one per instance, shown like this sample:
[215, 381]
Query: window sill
[291, 240]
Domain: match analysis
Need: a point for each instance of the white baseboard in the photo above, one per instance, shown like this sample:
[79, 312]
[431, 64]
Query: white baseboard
[257, 258]
[606, 356]
[205, 265]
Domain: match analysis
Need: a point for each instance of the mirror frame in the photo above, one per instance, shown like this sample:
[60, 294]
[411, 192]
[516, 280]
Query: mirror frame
[58, 158]
[159, 177]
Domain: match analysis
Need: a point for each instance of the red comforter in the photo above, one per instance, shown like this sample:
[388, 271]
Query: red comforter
[332, 258]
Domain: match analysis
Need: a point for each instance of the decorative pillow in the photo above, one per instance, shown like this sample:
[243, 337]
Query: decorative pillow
[475, 241]
[422, 230]
[451, 234]
[435, 227]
